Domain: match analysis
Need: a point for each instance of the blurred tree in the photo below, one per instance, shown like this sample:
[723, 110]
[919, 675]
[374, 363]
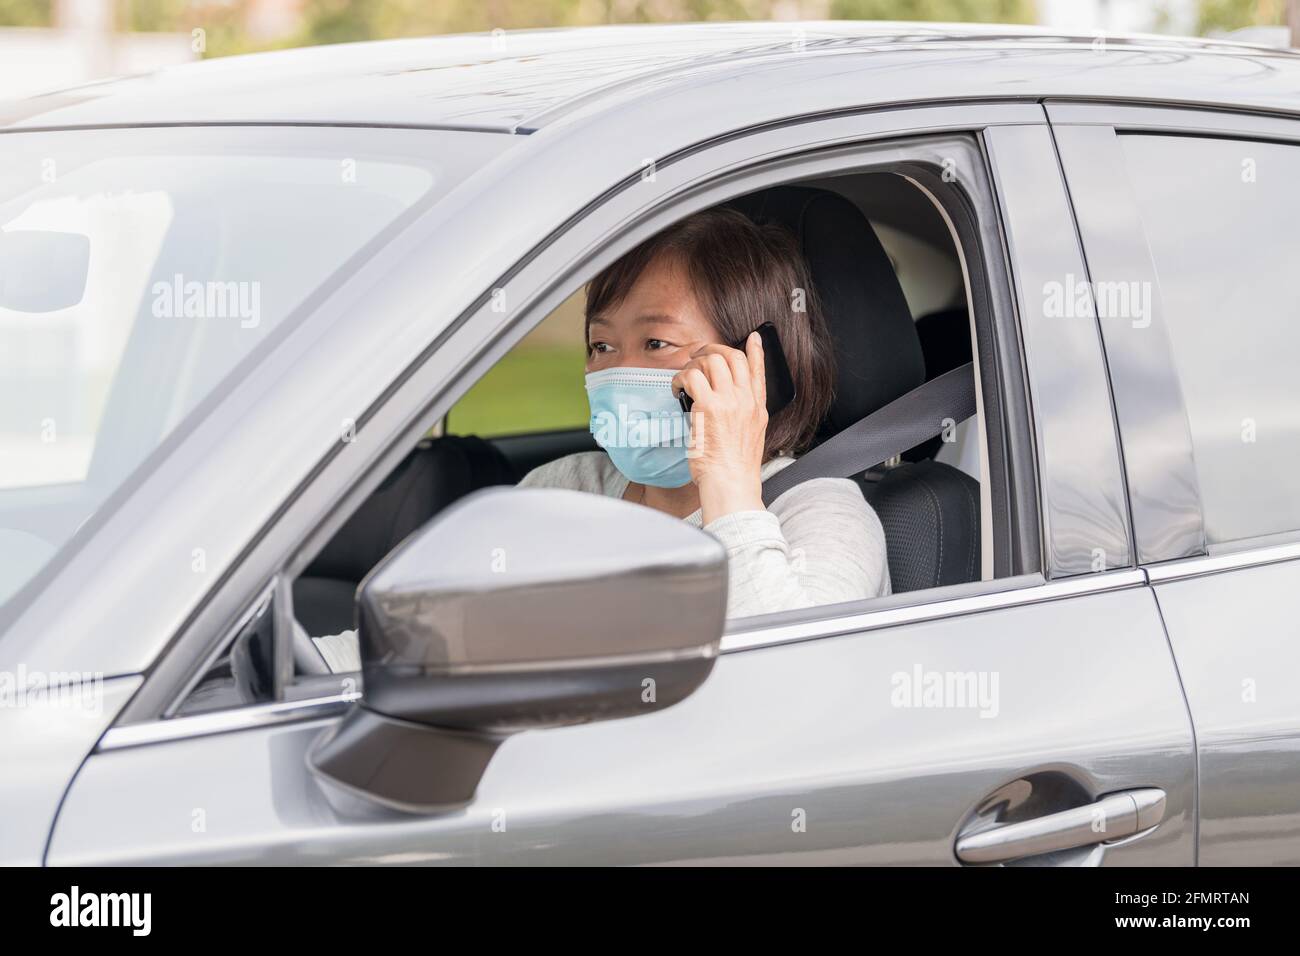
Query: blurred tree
[226, 22]
[26, 13]
[1225, 15]
[343, 21]
[222, 21]
[949, 11]
[334, 21]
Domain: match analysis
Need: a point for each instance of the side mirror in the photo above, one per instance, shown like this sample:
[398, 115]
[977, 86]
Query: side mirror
[42, 271]
[518, 609]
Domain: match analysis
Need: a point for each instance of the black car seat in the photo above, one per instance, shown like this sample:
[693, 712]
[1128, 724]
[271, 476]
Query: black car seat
[945, 344]
[436, 473]
[930, 511]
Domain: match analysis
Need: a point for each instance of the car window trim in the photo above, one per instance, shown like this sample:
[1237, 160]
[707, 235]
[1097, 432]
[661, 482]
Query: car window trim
[1188, 120]
[842, 160]
[1251, 557]
[949, 602]
[546, 296]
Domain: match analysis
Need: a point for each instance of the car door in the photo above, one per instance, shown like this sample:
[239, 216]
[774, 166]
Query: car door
[1195, 211]
[887, 732]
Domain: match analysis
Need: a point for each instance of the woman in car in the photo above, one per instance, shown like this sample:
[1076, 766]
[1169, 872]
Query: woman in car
[657, 323]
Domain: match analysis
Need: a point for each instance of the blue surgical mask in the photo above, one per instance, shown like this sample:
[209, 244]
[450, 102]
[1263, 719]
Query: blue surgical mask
[637, 419]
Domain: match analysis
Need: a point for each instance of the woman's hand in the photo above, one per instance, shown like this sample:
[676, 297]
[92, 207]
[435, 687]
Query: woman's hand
[728, 426]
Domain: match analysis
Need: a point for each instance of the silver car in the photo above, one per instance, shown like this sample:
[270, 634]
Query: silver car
[245, 302]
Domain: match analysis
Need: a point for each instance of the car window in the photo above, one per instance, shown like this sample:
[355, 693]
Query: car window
[537, 385]
[1221, 218]
[439, 472]
[138, 268]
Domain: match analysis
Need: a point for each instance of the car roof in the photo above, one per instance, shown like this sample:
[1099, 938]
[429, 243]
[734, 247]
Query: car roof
[517, 81]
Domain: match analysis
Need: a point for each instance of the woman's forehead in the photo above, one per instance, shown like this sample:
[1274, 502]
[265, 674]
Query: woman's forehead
[661, 294]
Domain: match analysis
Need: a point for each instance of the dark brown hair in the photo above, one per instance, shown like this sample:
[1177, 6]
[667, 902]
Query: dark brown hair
[743, 274]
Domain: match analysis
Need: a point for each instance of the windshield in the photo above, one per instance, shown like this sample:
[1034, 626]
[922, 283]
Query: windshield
[138, 267]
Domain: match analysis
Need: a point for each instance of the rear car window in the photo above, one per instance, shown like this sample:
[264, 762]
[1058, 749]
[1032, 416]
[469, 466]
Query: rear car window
[1222, 219]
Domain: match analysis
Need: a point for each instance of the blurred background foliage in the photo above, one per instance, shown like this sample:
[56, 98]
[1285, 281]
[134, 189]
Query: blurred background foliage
[26, 13]
[239, 26]
[340, 21]
[943, 11]
[1225, 15]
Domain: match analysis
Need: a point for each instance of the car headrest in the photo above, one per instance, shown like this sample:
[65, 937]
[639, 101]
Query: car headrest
[877, 350]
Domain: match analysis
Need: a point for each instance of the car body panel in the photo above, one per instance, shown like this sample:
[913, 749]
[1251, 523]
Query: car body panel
[812, 732]
[43, 741]
[1237, 643]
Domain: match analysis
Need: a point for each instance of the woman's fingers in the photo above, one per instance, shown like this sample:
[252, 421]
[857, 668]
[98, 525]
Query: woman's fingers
[738, 365]
[756, 369]
[723, 365]
[718, 370]
[722, 368]
[693, 382]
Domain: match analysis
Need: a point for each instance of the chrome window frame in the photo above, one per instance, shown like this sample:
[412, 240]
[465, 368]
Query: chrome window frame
[807, 148]
[1220, 563]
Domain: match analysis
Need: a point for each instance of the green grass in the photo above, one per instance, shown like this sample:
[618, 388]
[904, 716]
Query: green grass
[533, 388]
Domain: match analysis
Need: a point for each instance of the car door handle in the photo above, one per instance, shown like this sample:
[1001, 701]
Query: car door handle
[1111, 818]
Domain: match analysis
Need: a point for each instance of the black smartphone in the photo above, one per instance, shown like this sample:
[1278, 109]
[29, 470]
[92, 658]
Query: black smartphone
[780, 385]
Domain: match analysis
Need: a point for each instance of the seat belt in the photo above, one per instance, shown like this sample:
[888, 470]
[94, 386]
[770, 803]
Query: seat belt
[902, 424]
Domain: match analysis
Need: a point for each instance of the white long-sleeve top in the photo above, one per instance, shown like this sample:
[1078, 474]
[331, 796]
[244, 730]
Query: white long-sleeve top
[819, 543]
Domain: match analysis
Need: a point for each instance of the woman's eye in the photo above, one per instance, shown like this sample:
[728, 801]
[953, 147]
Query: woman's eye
[598, 347]
[655, 345]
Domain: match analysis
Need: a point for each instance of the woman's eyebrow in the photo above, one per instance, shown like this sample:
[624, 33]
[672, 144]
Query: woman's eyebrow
[649, 318]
